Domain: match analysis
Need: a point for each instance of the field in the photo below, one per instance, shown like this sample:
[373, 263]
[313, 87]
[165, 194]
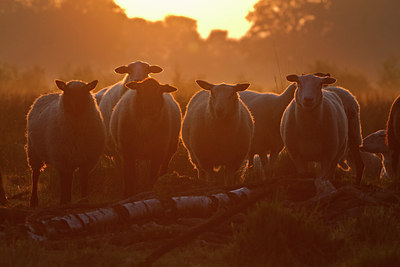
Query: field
[278, 231]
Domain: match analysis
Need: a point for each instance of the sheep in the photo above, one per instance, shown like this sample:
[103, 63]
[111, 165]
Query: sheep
[393, 135]
[352, 110]
[314, 128]
[145, 126]
[3, 199]
[217, 130]
[376, 143]
[267, 110]
[110, 96]
[373, 164]
[99, 95]
[65, 131]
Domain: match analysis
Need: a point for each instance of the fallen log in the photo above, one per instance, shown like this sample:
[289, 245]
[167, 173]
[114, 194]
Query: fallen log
[50, 226]
[208, 225]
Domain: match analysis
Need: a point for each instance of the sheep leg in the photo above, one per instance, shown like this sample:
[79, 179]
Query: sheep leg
[273, 156]
[301, 166]
[35, 178]
[322, 183]
[251, 159]
[356, 155]
[66, 186]
[130, 179]
[266, 165]
[84, 181]
[202, 174]
[154, 173]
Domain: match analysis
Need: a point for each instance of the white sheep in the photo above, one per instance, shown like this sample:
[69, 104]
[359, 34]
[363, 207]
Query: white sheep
[3, 199]
[393, 136]
[65, 131]
[145, 126]
[217, 130]
[99, 95]
[373, 165]
[314, 128]
[109, 96]
[352, 110]
[376, 143]
[267, 110]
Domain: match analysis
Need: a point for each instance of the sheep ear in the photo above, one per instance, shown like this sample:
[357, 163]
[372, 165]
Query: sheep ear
[328, 80]
[155, 69]
[168, 88]
[241, 86]
[205, 85]
[133, 85]
[292, 78]
[122, 70]
[90, 86]
[61, 85]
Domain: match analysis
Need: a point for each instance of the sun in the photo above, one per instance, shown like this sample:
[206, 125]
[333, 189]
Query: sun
[227, 15]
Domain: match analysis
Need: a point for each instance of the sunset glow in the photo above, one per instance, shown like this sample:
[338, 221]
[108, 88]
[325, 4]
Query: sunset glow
[210, 14]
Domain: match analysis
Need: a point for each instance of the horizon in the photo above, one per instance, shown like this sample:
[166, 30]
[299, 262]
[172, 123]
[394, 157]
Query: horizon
[233, 20]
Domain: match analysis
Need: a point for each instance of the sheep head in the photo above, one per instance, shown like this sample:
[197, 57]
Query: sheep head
[149, 95]
[76, 97]
[309, 89]
[375, 143]
[138, 70]
[223, 98]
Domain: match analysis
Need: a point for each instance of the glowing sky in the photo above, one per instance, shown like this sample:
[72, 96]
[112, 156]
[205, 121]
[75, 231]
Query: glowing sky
[210, 14]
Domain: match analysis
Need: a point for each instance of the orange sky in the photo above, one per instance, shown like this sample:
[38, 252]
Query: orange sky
[210, 14]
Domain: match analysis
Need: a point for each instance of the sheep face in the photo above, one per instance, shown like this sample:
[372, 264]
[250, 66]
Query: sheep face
[149, 96]
[375, 143]
[223, 98]
[76, 96]
[309, 89]
[138, 70]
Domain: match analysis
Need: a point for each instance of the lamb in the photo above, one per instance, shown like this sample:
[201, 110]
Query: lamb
[65, 131]
[145, 126]
[376, 143]
[217, 130]
[314, 127]
[110, 96]
[373, 165]
[352, 110]
[393, 135]
[267, 109]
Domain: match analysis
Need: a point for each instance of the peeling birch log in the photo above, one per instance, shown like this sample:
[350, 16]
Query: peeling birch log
[208, 225]
[52, 226]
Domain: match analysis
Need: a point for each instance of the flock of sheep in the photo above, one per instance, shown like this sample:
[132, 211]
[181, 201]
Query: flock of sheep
[137, 120]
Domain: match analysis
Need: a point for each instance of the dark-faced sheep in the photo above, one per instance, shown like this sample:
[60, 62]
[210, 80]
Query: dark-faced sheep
[217, 130]
[145, 127]
[109, 97]
[65, 131]
[314, 128]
